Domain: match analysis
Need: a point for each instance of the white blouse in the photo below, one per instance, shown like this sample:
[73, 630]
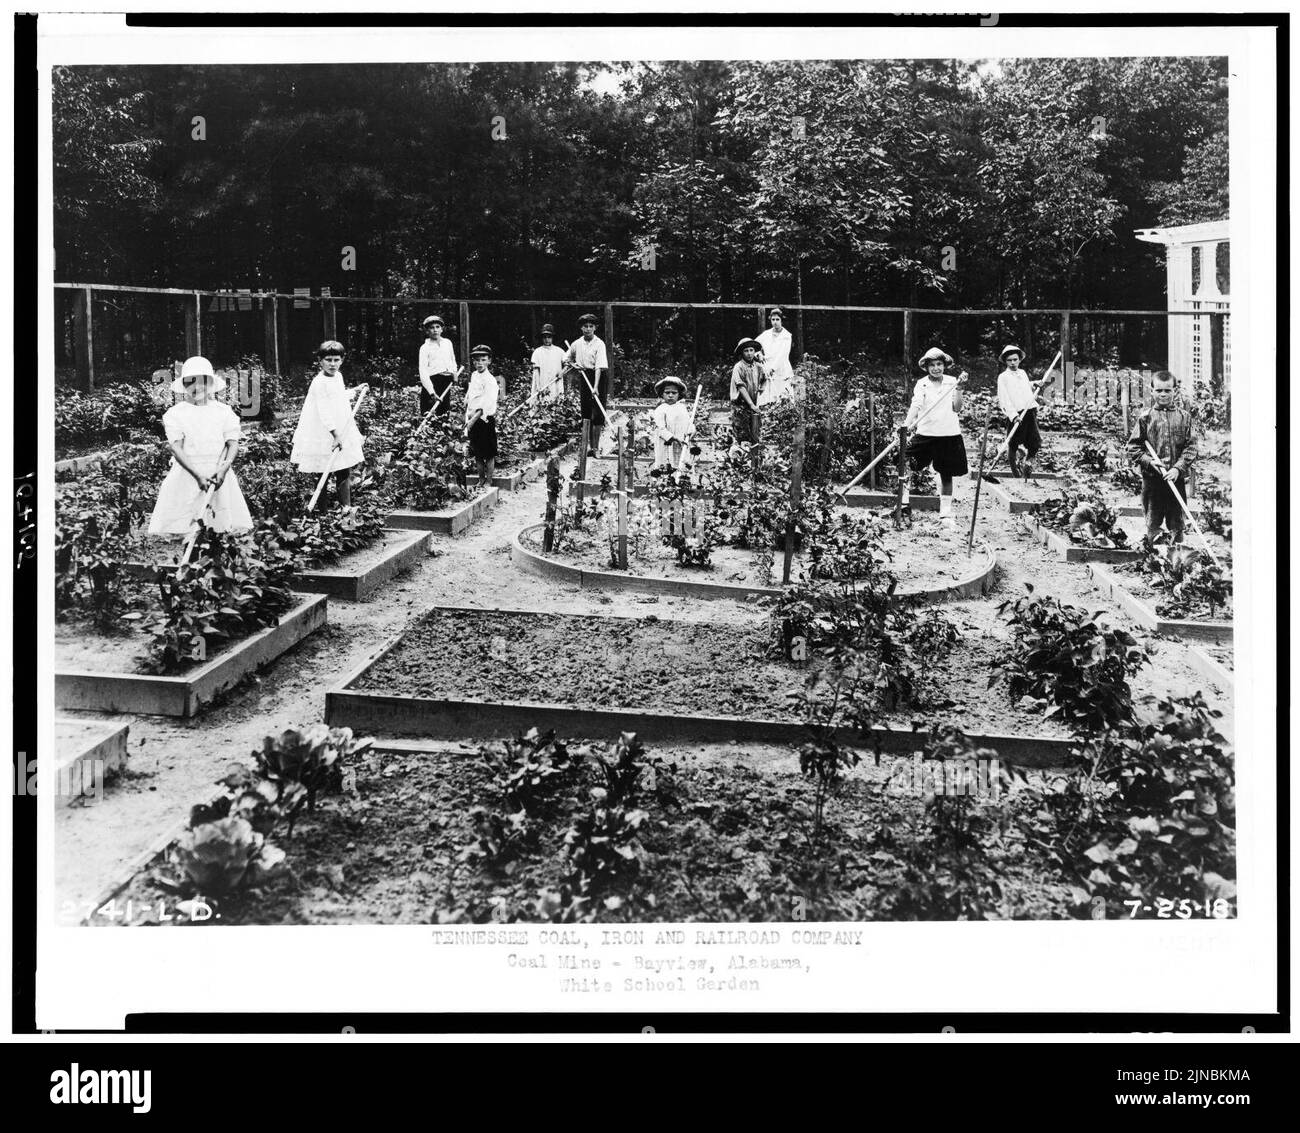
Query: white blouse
[941, 422]
[202, 430]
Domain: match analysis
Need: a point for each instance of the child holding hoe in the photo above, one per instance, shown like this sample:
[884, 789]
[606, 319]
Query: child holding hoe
[673, 423]
[748, 380]
[481, 414]
[1018, 400]
[203, 436]
[327, 438]
[1168, 430]
[936, 402]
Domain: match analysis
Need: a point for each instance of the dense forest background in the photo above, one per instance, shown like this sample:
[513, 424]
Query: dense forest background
[1035, 172]
[1007, 183]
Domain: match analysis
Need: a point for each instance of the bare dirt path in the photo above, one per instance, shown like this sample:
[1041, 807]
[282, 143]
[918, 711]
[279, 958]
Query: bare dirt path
[174, 764]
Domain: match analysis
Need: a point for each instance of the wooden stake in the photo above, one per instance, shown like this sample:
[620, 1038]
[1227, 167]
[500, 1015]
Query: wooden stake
[871, 427]
[796, 495]
[899, 442]
[979, 480]
[584, 443]
[552, 499]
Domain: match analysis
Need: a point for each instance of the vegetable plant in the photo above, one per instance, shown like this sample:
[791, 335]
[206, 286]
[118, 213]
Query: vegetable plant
[1085, 518]
[1063, 655]
[225, 856]
[1188, 581]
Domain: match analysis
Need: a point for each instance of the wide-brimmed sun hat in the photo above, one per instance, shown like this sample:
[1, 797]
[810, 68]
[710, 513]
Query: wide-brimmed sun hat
[934, 354]
[197, 367]
[740, 346]
[681, 385]
[1011, 349]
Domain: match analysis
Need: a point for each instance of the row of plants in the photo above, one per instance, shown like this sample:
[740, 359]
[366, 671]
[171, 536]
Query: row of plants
[1187, 581]
[1144, 812]
[231, 844]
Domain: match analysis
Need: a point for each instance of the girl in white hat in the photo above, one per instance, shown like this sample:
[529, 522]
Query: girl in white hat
[936, 403]
[673, 424]
[326, 436]
[203, 436]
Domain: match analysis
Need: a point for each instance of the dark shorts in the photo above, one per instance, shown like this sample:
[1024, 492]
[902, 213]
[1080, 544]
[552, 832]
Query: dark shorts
[1026, 434]
[589, 411]
[440, 383]
[483, 439]
[946, 454]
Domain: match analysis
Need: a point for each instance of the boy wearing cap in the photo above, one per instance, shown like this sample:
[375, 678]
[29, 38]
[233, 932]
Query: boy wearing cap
[203, 436]
[774, 346]
[1169, 430]
[437, 368]
[548, 360]
[587, 355]
[748, 379]
[481, 414]
[673, 424]
[1017, 396]
[937, 442]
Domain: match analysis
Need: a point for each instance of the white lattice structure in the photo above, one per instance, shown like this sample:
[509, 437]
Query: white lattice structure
[1197, 279]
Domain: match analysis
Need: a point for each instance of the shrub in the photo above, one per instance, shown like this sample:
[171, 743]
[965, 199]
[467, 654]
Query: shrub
[90, 545]
[1061, 654]
[114, 413]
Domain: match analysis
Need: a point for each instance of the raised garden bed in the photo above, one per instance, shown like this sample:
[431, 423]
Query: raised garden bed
[75, 465]
[734, 847]
[939, 571]
[354, 577]
[1070, 552]
[101, 673]
[864, 497]
[1129, 592]
[86, 751]
[498, 672]
[449, 520]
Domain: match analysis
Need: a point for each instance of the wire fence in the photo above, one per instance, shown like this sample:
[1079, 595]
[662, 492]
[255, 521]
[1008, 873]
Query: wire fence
[106, 333]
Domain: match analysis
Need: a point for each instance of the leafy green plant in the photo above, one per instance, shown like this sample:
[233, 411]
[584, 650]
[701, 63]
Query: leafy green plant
[1085, 518]
[323, 536]
[546, 424]
[431, 471]
[500, 840]
[229, 588]
[1216, 509]
[604, 850]
[1188, 581]
[313, 757]
[1063, 655]
[116, 412]
[225, 856]
[1094, 458]
[829, 702]
[1127, 479]
[532, 769]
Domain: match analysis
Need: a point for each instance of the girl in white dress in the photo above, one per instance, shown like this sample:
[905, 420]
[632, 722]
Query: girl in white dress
[326, 426]
[203, 436]
[776, 342]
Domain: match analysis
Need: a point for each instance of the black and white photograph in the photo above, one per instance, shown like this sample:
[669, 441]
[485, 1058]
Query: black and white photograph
[659, 524]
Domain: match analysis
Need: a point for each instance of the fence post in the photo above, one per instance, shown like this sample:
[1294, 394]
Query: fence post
[796, 495]
[329, 318]
[871, 446]
[465, 345]
[1067, 367]
[909, 342]
[193, 334]
[83, 332]
[609, 343]
[1124, 396]
[761, 327]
